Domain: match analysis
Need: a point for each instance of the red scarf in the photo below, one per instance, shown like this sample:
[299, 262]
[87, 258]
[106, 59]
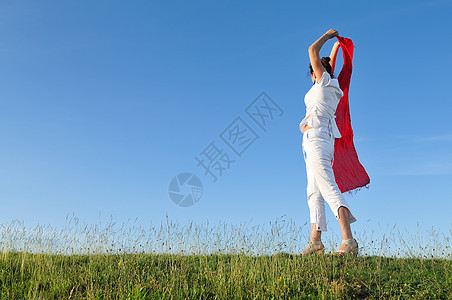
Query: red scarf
[348, 171]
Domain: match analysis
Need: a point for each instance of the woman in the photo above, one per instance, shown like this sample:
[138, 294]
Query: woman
[319, 131]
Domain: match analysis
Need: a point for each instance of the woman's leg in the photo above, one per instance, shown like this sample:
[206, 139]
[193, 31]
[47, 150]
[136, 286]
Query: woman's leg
[344, 223]
[319, 153]
[316, 235]
[316, 203]
[317, 215]
[324, 178]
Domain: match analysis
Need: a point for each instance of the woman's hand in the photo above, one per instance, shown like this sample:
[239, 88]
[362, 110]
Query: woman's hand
[333, 55]
[331, 33]
[304, 128]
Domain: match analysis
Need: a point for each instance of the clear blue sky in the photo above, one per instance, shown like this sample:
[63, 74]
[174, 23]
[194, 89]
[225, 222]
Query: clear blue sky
[102, 103]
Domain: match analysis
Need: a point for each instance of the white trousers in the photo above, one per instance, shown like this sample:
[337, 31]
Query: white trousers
[318, 152]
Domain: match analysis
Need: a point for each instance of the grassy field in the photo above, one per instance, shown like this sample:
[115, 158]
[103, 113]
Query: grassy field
[280, 276]
[198, 262]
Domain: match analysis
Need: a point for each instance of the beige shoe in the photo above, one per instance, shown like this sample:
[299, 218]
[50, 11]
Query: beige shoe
[311, 250]
[352, 248]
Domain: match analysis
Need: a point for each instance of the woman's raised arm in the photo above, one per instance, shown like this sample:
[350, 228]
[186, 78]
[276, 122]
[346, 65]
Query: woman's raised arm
[333, 55]
[314, 51]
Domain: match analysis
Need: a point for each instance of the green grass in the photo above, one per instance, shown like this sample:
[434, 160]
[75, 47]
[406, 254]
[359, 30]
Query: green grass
[222, 262]
[280, 276]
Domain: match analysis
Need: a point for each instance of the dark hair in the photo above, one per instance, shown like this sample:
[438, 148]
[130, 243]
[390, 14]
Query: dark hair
[326, 64]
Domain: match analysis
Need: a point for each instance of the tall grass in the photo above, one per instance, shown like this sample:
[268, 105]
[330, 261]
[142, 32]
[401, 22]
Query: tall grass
[223, 261]
[170, 237]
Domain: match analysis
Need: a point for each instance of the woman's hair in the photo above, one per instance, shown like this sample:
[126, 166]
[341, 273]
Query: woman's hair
[326, 64]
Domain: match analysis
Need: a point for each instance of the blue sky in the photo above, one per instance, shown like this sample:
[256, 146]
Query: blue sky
[103, 103]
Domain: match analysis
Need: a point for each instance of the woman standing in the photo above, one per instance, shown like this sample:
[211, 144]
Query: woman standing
[319, 131]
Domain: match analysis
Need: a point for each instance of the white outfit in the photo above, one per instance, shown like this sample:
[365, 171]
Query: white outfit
[318, 150]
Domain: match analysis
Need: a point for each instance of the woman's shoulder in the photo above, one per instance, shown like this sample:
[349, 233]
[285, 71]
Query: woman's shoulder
[329, 85]
[334, 81]
[325, 79]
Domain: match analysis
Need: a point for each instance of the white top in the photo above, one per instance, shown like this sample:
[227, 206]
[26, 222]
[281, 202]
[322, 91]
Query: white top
[321, 103]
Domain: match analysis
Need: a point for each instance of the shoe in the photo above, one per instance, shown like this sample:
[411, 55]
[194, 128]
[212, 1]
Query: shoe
[312, 250]
[352, 248]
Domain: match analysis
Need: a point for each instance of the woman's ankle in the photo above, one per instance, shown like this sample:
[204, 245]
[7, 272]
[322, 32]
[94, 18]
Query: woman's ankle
[315, 242]
[351, 241]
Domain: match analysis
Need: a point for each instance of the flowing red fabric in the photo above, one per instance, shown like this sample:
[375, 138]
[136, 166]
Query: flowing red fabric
[348, 171]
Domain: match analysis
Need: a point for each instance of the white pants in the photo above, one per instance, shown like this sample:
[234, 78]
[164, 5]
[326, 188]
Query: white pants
[318, 152]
